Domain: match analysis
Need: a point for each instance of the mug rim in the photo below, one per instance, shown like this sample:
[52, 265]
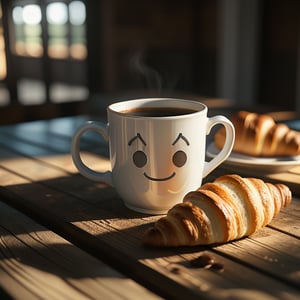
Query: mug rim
[118, 107]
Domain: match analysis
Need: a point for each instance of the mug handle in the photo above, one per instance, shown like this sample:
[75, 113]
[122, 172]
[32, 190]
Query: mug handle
[227, 148]
[101, 129]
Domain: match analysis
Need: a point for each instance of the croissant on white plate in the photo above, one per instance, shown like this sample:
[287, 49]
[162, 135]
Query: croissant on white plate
[227, 209]
[260, 135]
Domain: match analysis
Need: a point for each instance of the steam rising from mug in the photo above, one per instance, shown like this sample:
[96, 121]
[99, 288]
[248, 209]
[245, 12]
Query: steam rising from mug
[154, 80]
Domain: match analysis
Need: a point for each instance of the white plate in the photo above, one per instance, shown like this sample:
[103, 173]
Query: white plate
[270, 165]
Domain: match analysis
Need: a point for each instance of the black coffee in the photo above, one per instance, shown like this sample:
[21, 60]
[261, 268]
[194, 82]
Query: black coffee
[158, 111]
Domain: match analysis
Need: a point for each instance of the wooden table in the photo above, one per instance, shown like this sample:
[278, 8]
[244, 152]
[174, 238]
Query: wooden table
[65, 237]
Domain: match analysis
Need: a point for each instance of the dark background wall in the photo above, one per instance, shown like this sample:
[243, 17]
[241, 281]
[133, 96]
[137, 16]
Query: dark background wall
[247, 51]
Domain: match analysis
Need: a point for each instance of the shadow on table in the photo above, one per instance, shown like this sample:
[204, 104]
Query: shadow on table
[94, 217]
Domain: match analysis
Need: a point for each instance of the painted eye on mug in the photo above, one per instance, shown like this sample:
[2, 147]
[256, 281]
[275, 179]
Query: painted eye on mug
[139, 159]
[179, 159]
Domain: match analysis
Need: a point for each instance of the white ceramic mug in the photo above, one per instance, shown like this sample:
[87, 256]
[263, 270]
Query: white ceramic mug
[157, 150]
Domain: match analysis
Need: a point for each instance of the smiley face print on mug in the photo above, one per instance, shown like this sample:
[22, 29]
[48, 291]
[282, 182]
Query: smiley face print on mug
[140, 158]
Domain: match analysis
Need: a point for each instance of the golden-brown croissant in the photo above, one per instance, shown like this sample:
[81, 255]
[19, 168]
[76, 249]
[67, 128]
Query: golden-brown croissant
[230, 208]
[259, 135]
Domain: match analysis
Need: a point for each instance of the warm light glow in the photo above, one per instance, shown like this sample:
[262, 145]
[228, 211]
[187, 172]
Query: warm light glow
[2, 65]
[58, 51]
[34, 49]
[57, 13]
[78, 51]
[20, 48]
[2, 51]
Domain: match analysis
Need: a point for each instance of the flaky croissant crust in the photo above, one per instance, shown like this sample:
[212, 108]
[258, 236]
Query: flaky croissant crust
[259, 135]
[230, 208]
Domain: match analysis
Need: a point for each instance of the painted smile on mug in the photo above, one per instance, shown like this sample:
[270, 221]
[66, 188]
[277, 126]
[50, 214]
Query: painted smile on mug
[140, 159]
[159, 179]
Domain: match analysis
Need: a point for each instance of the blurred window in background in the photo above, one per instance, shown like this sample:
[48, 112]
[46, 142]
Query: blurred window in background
[65, 23]
[43, 52]
[27, 30]
[66, 30]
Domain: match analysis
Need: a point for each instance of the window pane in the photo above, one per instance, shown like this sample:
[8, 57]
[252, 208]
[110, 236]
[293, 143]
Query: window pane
[32, 14]
[31, 92]
[57, 13]
[27, 30]
[17, 14]
[77, 13]
[57, 18]
[65, 30]
[62, 92]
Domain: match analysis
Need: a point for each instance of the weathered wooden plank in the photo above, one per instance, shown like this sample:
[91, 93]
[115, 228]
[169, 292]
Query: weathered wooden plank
[94, 216]
[87, 189]
[115, 227]
[270, 250]
[54, 171]
[36, 263]
[237, 277]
